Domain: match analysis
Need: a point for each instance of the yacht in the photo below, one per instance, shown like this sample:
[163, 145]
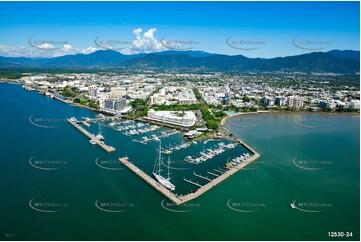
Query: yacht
[157, 171]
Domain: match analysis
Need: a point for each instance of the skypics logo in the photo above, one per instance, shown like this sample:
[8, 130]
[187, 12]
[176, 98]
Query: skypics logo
[48, 44]
[311, 165]
[245, 122]
[310, 207]
[177, 44]
[310, 45]
[112, 44]
[47, 207]
[182, 208]
[111, 165]
[171, 165]
[47, 165]
[46, 123]
[113, 207]
[310, 122]
[245, 207]
[241, 44]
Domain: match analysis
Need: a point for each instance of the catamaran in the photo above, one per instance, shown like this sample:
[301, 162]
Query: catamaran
[157, 169]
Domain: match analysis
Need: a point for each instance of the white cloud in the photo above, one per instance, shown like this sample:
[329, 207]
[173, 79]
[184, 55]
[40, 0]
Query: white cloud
[143, 43]
[67, 47]
[89, 50]
[46, 46]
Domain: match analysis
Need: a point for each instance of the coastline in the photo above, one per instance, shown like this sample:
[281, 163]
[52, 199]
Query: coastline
[225, 119]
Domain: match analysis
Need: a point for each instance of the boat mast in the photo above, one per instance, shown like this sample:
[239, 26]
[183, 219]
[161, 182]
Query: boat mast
[168, 165]
[160, 156]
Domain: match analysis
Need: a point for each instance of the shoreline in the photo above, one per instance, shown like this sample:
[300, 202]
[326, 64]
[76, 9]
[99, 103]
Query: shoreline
[225, 119]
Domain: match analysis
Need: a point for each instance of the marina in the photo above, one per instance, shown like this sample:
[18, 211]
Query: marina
[201, 189]
[209, 153]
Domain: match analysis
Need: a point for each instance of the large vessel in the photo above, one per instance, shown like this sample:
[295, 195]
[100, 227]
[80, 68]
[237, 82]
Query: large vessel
[157, 169]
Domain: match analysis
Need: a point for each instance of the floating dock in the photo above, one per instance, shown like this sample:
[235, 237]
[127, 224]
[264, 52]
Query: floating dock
[92, 137]
[177, 200]
[205, 178]
[210, 173]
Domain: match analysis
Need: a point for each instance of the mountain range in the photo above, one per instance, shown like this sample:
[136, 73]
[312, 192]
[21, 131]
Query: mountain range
[335, 61]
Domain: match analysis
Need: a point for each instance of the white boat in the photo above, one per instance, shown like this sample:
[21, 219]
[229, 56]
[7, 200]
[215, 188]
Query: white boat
[73, 119]
[99, 136]
[93, 142]
[157, 169]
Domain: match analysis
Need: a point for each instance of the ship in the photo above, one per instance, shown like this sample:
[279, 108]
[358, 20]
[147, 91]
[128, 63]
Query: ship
[157, 171]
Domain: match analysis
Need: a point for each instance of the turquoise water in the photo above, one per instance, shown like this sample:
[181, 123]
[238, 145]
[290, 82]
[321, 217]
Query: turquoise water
[258, 197]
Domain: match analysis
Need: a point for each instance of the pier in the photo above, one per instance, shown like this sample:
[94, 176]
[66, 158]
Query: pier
[191, 182]
[210, 173]
[92, 137]
[219, 171]
[205, 178]
[86, 123]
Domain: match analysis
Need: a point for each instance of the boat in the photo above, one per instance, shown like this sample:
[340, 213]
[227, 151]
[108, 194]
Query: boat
[73, 119]
[157, 171]
[93, 142]
[99, 136]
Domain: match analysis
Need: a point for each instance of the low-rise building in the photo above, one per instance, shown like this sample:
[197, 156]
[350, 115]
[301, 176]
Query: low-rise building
[184, 119]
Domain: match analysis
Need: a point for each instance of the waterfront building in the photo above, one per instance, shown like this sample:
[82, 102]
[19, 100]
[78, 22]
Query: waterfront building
[281, 101]
[268, 101]
[295, 102]
[184, 119]
[355, 104]
[113, 104]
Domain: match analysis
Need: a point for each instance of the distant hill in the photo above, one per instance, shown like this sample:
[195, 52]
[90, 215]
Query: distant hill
[335, 61]
[346, 54]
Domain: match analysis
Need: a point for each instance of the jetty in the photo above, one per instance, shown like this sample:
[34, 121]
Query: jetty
[198, 175]
[210, 173]
[105, 147]
[191, 182]
[177, 200]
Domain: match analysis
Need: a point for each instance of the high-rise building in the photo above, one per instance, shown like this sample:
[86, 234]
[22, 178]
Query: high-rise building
[268, 101]
[93, 91]
[295, 102]
[281, 101]
[116, 105]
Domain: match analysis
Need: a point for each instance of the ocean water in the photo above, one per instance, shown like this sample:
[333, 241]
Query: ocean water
[52, 187]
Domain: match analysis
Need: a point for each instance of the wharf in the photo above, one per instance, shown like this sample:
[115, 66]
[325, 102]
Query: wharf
[92, 137]
[171, 196]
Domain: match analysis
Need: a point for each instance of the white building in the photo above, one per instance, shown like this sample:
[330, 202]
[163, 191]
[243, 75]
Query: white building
[92, 91]
[185, 119]
[295, 102]
[355, 104]
[117, 92]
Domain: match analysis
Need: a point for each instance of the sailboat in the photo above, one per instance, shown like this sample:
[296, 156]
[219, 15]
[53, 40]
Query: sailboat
[100, 136]
[157, 169]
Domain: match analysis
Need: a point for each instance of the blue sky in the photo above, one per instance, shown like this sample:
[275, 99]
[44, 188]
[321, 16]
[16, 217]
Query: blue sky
[253, 29]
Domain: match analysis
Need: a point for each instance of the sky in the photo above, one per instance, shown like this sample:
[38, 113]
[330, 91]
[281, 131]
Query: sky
[252, 29]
